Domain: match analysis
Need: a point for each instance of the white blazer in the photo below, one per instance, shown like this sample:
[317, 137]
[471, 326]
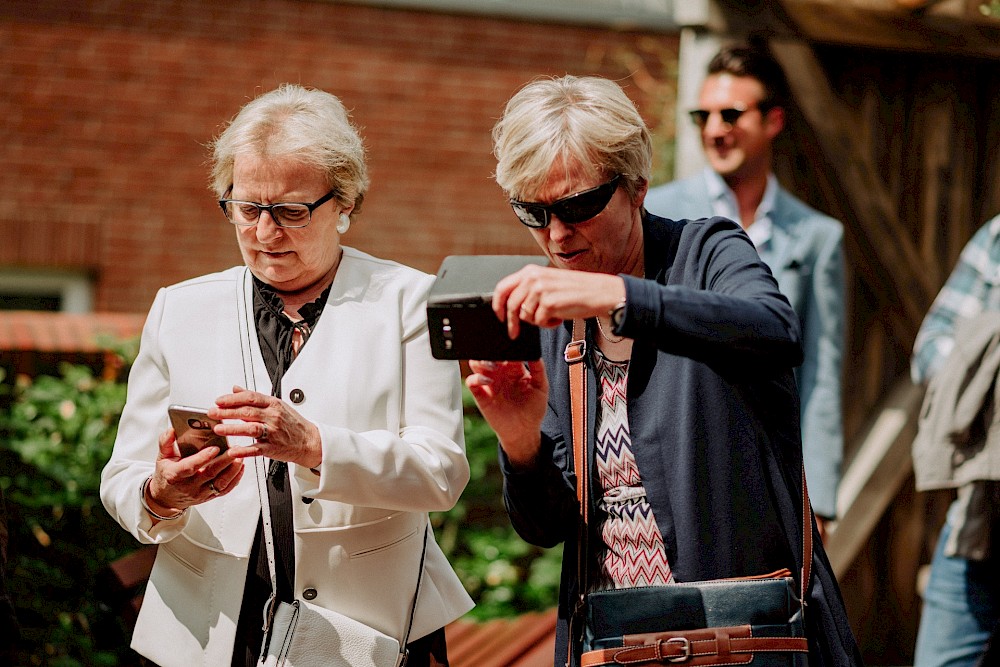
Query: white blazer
[393, 449]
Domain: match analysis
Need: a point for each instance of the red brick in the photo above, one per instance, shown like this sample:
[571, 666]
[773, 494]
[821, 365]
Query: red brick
[109, 107]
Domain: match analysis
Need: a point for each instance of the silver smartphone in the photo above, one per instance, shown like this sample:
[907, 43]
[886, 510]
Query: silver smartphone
[194, 430]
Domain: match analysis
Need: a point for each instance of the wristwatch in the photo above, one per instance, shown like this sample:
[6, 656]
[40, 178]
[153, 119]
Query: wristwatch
[617, 314]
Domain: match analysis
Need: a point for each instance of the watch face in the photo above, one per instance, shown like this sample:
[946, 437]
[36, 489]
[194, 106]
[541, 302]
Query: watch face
[617, 315]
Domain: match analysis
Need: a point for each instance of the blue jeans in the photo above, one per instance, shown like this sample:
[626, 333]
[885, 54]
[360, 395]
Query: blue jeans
[961, 608]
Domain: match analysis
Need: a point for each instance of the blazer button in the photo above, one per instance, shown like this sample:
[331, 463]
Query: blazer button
[307, 500]
[309, 594]
[297, 396]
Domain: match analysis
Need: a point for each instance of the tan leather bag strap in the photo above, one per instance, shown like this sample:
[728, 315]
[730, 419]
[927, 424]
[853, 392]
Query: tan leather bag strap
[578, 404]
[712, 646]
[575, 356]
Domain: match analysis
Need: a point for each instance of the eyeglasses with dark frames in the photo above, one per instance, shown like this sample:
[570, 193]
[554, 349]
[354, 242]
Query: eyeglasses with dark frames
[290, 215]
[729, 115]
[575, 208]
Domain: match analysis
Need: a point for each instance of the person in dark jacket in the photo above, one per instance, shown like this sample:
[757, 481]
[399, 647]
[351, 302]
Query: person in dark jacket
[693, 420]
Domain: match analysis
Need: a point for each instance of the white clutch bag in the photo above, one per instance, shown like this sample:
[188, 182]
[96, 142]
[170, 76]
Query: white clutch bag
[306, 635]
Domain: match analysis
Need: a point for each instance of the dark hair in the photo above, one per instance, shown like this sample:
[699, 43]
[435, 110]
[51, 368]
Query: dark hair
[754, 62]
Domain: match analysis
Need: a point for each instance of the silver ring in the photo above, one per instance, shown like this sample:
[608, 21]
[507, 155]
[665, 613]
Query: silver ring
[215, 491]
[263, 433]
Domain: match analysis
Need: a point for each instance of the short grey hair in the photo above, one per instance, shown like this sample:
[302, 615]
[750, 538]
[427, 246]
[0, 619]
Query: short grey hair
[588, 120]
[307, 124]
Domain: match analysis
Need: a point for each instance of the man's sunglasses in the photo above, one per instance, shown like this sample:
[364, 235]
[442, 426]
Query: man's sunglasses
[729, 116]
[575, 208]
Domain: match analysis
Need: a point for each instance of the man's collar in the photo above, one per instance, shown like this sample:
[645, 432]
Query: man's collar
[718, 188]
[724, 203]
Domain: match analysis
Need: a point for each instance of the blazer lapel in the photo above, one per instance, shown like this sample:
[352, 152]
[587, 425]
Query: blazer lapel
[255, 372]
[780, 251]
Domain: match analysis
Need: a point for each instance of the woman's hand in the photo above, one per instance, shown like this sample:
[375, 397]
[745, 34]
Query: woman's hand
[512, 396]
[280, 432]
[545, 296]
[180, 482]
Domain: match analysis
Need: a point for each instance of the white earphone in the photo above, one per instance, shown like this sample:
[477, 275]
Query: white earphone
[344, 224]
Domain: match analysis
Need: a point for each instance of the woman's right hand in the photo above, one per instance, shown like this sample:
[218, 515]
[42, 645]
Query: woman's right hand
[545, 296]
[513, 397]
[180, 482]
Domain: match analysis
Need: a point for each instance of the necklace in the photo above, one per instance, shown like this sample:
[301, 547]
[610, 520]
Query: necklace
[606, 336]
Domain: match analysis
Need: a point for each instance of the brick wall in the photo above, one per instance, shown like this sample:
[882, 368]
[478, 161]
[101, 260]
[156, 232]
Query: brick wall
[107, 107]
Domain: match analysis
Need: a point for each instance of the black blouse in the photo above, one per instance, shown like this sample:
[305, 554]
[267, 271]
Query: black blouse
[275, 332]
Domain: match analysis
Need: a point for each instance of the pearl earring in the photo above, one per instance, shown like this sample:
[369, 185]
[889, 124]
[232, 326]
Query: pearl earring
[344, 224]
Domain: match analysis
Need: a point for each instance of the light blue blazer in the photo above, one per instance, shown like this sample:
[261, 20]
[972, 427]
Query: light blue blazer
[806, 256]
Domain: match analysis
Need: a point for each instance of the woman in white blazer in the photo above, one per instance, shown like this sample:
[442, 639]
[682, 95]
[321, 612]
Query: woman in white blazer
[315, 358]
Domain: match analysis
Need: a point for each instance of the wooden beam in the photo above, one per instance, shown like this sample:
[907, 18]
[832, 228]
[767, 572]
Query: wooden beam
[887, 245]
[950, 27]
[876, 472]
[943, 27]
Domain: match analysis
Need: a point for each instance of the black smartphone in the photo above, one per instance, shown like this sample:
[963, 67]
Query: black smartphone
[460, 314]
[194, 430]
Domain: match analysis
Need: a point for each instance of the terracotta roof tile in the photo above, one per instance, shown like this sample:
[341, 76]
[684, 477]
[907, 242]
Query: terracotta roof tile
[523, 641]
[38, 331]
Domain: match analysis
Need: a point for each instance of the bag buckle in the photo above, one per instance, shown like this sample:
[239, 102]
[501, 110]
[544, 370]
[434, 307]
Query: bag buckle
[575, 351]
[685, 646]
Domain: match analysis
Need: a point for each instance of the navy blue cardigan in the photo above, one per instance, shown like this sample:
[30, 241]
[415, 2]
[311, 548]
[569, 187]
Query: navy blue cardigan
[714, 421]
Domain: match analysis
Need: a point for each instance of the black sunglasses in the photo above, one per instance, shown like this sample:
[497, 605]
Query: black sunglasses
[571, 210]
[729, 116]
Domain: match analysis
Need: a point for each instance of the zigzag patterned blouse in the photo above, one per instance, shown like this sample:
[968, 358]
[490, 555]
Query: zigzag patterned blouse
[632, 552]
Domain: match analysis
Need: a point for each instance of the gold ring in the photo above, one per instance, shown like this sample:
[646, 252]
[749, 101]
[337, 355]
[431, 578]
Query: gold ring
[215, 491]
[263, 433]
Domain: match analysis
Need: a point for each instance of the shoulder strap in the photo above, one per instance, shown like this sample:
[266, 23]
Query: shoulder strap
[575, 355]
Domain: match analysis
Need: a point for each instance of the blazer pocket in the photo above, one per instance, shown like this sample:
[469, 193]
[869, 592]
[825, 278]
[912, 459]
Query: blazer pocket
[190, 555]
[388, 546]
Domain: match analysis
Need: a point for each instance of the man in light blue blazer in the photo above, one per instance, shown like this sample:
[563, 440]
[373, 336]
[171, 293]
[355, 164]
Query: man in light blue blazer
[740, 113]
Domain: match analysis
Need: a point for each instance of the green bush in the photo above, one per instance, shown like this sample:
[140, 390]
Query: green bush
[58, 432]
[503, 574]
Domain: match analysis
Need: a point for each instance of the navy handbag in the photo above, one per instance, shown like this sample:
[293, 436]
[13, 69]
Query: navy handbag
[754, 621]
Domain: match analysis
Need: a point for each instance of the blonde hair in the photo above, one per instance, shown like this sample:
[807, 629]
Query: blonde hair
[587, 122]
[309, 125]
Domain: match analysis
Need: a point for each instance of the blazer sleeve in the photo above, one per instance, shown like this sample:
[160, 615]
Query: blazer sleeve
[716, 302]
[419, 465]
[820, 375]
[143, 418]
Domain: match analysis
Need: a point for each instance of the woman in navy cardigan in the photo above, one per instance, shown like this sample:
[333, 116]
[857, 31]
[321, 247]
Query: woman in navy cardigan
[693, 418]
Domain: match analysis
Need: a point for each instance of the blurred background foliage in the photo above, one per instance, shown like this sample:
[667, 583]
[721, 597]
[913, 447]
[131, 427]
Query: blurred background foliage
[503, 574]
[56, 433]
